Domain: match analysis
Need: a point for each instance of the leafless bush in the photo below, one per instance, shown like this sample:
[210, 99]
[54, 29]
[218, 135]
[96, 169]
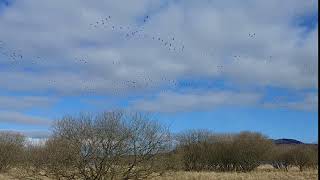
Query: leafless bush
[301, 156]
[116, 145]
[193, 145]
[11, 148]
[250, 150]
[207, 151]
[34, 159]
[222, 156]
[169, 162]
[280, 157]
[108, 146]
[304, 157]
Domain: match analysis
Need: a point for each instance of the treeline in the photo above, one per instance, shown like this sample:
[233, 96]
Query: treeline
[244, 152]
[118, 145]
[110, 145]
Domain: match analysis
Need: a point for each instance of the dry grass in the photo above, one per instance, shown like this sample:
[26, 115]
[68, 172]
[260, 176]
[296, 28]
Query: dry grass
[307, 175]
[262, 173]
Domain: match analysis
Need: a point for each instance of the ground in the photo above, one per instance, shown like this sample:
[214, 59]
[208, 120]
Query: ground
[257, 175]
[262, 173]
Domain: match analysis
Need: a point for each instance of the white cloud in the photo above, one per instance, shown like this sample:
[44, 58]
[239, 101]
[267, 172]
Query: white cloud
[20, 118]
[281, 54]
[59, 31]
[24, 102]
[184, 102]
[308, 103]
[206, 101]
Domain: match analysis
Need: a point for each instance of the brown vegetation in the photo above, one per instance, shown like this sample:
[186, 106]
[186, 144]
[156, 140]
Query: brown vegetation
[117, 145]
[11, 148]
[206, 151]
[261, 173]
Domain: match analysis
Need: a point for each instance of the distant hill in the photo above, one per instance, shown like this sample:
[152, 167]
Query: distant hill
[287, 141]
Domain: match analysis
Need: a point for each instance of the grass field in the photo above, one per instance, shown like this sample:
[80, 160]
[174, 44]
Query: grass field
[262, 173]
[257, 175]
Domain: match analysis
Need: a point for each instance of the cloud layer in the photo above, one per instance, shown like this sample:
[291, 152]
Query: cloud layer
[25, 102]
[173, 102]
[205, 101]
[19, 118]
[63, 48]
[60, 32]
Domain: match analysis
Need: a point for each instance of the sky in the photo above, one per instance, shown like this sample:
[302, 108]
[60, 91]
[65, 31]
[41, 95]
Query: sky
[225, 66]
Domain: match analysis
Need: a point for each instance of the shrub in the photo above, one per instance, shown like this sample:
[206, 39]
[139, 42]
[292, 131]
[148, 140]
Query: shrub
[251, 150]
[110, 145]
[280, 157]
[193, 145]
[242, 152]
[35, 159]
[304, 157]
[11, 148]
[301, 156]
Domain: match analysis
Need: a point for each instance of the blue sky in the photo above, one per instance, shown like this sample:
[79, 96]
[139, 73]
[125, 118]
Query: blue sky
[223, 66]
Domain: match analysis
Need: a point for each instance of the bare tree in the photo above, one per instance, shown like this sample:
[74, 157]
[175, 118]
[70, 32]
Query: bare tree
[107, 146]
[147, 139]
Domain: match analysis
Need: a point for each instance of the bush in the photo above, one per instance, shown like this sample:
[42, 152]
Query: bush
[110, 145]
[11, 149]
[115, 145]
[241, 152]
[251, 150]
[304, 157]
[35, 159]
[280, 157]
[193, 145]
[222, 156]
[301, 156]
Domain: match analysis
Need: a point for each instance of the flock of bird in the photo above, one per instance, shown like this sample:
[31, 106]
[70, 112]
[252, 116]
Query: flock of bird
[12, 55]
[128, 32]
